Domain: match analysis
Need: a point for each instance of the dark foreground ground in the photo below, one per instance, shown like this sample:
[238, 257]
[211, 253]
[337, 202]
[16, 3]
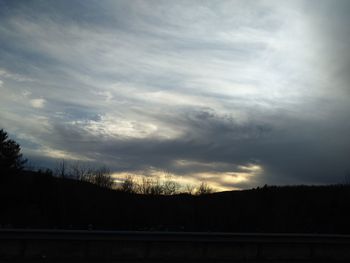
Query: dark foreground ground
[32, 200]
[112, 246]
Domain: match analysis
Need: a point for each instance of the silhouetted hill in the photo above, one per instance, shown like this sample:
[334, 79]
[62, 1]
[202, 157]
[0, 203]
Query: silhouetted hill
[34, 200]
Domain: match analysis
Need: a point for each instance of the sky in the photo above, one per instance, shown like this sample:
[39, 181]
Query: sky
[235, 93]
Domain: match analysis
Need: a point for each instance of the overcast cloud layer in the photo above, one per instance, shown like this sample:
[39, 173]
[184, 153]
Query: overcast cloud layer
[239, 93]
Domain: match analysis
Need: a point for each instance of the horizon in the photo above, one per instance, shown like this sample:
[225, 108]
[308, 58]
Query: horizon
[238, 94]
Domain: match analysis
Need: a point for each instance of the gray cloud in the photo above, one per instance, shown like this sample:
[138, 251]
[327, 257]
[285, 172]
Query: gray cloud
[188, 87]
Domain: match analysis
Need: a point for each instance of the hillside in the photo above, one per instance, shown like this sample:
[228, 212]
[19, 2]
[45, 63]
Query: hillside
[33, 200]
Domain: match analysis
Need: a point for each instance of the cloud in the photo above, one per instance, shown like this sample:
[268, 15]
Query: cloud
[194, 88]
[218, 181]
[37, 103]
[17, 77]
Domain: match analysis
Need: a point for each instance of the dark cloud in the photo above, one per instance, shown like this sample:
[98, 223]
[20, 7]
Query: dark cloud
[299, 153]
[191, 87]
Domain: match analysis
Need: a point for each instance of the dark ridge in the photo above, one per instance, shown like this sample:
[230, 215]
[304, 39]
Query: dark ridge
[39, 200]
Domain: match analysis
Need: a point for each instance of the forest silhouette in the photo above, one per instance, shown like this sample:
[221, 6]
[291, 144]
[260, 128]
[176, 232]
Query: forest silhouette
[86, 199]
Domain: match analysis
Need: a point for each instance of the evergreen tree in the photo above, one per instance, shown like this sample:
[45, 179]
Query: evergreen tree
[11, 158]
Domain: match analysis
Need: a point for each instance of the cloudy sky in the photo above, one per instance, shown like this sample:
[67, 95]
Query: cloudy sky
[236, 93]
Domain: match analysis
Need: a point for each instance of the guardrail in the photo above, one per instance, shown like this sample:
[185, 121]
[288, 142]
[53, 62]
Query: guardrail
[96, 246]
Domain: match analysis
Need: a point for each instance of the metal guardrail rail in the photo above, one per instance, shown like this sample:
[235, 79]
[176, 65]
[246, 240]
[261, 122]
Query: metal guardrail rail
[38, 245]
[39, 234]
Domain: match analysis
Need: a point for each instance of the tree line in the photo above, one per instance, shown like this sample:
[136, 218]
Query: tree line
[12, 160]
[103, 177]
[53, 199]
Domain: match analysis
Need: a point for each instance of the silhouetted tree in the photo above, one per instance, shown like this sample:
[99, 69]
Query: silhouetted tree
[102, 177]
[145, 186]
[80, 171]
[203, 189]
[45, 172]
[170, 186]
[150, 186]
[189, 189]
[61, 169]
[128, 185]
[156, 187]
[11, 158]
[347, 178]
